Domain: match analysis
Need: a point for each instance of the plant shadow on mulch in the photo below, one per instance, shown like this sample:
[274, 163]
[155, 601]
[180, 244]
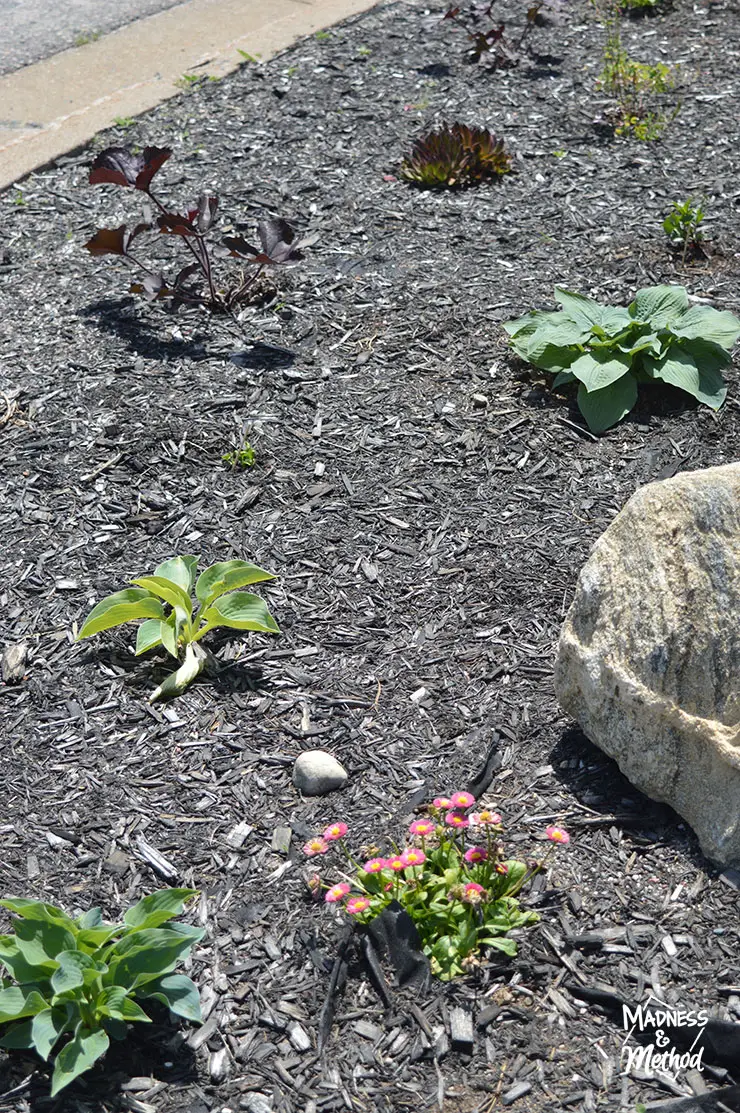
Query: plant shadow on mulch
[156, 1052]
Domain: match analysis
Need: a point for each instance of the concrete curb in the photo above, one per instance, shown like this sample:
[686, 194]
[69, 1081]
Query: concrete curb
[56, 105]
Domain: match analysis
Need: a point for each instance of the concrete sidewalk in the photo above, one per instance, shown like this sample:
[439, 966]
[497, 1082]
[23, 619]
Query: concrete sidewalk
[56, 105]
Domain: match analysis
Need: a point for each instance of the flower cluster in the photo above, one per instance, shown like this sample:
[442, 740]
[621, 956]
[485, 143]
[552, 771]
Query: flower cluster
[461, 897]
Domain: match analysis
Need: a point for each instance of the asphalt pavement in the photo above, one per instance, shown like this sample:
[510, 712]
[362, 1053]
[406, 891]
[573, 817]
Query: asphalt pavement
[31, 30]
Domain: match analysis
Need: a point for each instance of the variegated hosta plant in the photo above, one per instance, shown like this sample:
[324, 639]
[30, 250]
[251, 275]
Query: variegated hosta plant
[456, 155]
[163, 600]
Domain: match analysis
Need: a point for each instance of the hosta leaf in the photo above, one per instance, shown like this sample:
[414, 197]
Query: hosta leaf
[145, 955]
[178, 992]
[148, 635]
[240, 611]
[168, 631]
[37, 910]
[166, 589]
[562, 378]
[123, 606]
[679, 368]
[19, 1036]
[15, 1004]
[73, 966]
[561, 336]
[604, 408]
[24, 972]
[702, 322]
[41, 942]
[179, 570]
[228, 575]
[660, 305]
[597, 369]
[114, 1002]
[77, 1057]
[581, 310]
[157, 908]
[47, 1027]
[176, 682]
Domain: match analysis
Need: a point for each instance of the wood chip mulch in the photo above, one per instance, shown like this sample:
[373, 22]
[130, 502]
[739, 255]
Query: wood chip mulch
[427, 506]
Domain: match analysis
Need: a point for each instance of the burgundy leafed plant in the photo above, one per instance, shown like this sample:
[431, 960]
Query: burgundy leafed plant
[278, 243]
[487, 35]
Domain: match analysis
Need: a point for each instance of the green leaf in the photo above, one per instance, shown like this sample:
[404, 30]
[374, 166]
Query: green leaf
[650, 343]
[702, 322]
[72, 970]
[92, 939]
[47, 1027]
[40, 941]
[18, 1037]
[114, 1002]
[37, 910]
[124, 606]
[171, 592]
[179, 570]
[168, 631]
[604, 408]
[158, 907]
[561, 379]
[679, 368]
[176, 682]
[660, 305]
[597, 369]
[501, 943]
[145, 955]
[531, 323]
[178, 992]
[23, 971]
[90, 919]
[582, 310]
[15, 1004]
[228, 575]
[77, 1057]
[148, 635]
[240, 611]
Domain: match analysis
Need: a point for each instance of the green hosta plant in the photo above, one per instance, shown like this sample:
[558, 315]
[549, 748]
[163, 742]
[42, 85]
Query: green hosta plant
[79, 981]
[163, 600]
[608, 350]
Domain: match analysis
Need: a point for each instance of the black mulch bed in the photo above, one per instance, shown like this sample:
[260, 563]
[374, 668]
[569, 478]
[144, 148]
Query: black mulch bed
[427, 543]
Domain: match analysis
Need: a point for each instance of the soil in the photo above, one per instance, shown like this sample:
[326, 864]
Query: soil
[427, 505]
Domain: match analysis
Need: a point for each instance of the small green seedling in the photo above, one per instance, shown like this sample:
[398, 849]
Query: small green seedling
[124, 121]
[163, 601]
[682, 226]
[240, 458]
[248, 57]
[78, 980]
[322, 36]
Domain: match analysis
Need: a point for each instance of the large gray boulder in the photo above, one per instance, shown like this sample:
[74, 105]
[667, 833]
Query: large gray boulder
[649, 655]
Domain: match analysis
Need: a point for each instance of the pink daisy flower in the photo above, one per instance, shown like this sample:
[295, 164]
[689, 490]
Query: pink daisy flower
[454, 819]
[474, 893]
[421, 827]
[337, 892]
[356, 904]
[375, 865]
[413, 857]
[501, 867]
[396, 863]
[557, 834]
[485, 818]
[476, 854]
[314, 847]
[442, 802]
[335, 831]
[461, 799]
